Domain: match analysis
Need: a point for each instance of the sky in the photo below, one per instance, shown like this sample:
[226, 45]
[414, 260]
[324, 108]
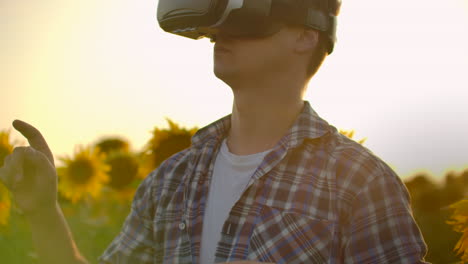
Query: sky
[83, 70]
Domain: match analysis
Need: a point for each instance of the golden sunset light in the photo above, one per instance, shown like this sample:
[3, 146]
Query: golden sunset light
[80, 70]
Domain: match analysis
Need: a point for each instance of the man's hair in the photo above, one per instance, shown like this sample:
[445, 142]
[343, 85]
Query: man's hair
[318, 55]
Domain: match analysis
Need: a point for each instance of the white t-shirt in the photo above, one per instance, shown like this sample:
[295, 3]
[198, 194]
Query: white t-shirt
[230, 177]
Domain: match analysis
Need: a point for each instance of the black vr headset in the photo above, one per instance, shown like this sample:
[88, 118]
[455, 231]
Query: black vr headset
[246, 18]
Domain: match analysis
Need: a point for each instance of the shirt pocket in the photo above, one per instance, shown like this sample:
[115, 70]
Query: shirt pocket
[171, 239]
[290, 237]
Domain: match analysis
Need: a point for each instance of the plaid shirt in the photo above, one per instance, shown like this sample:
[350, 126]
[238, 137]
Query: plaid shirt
[317, 197]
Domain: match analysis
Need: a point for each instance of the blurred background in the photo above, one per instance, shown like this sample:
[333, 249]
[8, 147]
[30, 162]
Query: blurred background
[103, 74]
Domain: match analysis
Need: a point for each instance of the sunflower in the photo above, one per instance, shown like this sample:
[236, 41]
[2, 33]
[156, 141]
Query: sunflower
[124, 166]
[82, 175]
[119, 191]
[166, 142]
[6, 147]
[5, 205]
[459, 221]
[350, 134]
[123, 169]
[113, 144]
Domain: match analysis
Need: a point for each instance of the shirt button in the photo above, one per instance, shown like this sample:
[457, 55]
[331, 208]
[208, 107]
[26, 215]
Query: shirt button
[181, 225]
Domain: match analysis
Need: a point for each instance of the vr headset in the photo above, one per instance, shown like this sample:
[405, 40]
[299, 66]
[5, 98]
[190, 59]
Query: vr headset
[246, 18]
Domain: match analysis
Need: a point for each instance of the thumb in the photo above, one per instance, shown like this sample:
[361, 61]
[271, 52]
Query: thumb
[35, 138]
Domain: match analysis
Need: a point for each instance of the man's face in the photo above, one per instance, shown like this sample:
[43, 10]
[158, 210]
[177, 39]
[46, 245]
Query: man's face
[239, 59]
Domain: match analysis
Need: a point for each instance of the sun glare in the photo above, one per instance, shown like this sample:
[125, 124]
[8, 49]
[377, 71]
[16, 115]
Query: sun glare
[80, 70]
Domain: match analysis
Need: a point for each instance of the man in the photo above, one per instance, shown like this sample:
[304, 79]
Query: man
[272, 182]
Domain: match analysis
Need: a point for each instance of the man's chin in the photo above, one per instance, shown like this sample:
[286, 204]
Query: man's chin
[223, 74]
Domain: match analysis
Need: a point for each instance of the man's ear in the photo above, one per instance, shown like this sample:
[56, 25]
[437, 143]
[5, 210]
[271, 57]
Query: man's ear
[307, 40]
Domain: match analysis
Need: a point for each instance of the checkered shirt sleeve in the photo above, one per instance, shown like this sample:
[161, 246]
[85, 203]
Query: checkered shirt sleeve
[381, 228]
[135, 244]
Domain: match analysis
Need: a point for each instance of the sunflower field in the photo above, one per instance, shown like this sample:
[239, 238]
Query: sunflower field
[97, 184]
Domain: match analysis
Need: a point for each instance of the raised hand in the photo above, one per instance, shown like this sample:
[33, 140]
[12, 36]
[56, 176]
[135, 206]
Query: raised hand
[29, 172]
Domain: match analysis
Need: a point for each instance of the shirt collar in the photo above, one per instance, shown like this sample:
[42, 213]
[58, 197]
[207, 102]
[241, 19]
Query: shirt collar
[308, 125]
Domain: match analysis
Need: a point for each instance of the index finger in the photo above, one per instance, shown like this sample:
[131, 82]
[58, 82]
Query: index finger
[35, 138]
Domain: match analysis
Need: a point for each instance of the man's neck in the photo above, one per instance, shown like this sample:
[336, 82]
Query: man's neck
[260, 119]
